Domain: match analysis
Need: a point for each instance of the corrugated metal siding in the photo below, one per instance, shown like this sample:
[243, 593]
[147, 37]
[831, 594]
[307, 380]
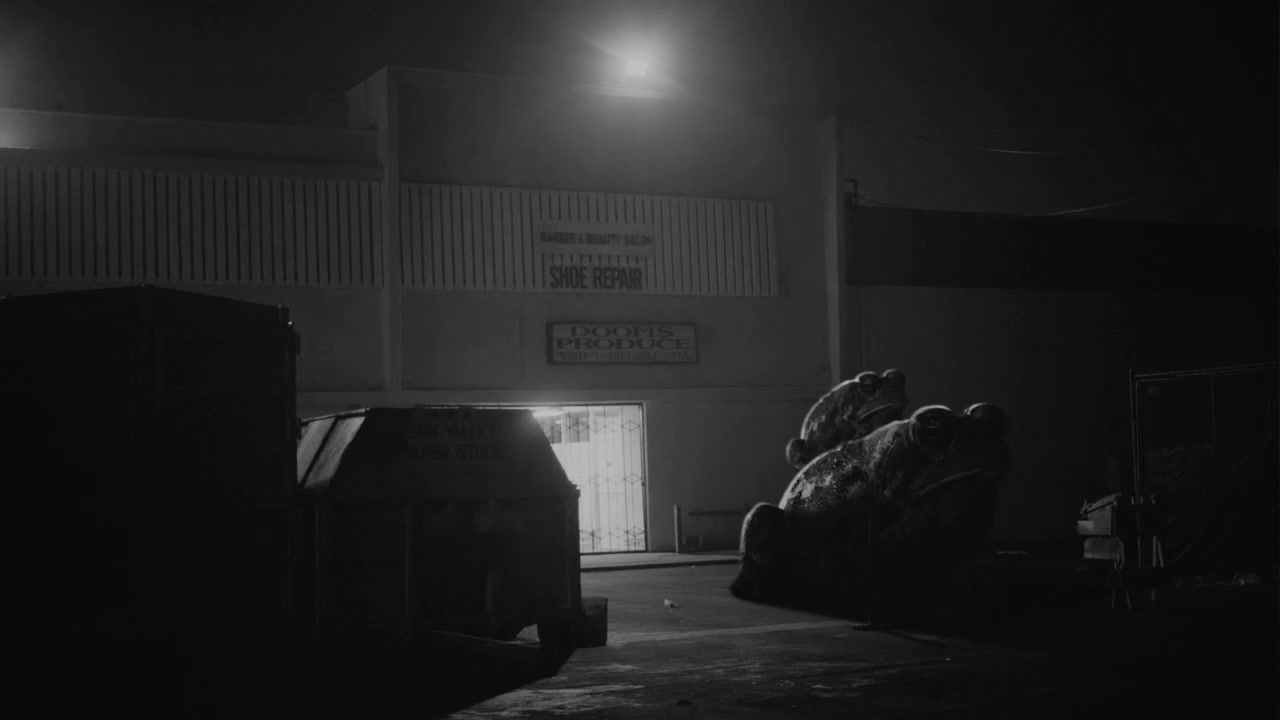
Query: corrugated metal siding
[480, 238]
[63, 223]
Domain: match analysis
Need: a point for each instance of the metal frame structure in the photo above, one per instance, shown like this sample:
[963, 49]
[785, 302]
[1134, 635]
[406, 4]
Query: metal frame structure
[1137, 379]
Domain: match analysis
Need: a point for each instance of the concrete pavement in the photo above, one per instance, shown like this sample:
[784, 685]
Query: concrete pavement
[1045, 645]
[713, 656]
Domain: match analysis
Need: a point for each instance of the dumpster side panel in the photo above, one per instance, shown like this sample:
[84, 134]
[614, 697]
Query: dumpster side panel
[362, 580]
[225, 420]
[454, 519]
[154, 460]
[491, 567]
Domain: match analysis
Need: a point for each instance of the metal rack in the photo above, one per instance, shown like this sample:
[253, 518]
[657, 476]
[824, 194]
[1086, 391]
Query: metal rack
[1189, 412]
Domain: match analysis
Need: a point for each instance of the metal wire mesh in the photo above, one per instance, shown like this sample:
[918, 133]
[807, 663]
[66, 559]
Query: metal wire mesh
[601, 448]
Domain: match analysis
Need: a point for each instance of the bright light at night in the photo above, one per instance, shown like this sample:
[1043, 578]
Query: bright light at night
[637, 67]
[635, 57]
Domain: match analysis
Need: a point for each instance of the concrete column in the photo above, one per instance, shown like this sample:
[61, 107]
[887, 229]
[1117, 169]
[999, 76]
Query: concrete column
[388, 122]
[844, 327]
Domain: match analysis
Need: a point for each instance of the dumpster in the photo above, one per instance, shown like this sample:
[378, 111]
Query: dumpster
[450, 520]
[149, 474]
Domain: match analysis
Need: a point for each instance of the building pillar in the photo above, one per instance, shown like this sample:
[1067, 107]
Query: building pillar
[844, 326]
[388, 123]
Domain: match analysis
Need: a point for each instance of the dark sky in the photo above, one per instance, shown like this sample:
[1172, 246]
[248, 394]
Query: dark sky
[1182, 88]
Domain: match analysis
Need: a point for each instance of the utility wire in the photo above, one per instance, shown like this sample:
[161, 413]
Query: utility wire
[970, 146]
[1180, 149]
[1152, 192]
[955, 128]
[1091, 207]
[859, 199]
[872, 201]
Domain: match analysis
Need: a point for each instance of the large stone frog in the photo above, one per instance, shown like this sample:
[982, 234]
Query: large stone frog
[909, 505]
[849, 411]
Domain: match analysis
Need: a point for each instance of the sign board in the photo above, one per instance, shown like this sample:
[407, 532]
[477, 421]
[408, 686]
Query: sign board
[586, 238]
[573, 342]
[594, 278]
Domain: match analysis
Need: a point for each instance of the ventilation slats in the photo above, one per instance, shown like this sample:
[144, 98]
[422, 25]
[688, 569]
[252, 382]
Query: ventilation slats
[68, 223]
[290, 206]
[482, 238]
[185, 242]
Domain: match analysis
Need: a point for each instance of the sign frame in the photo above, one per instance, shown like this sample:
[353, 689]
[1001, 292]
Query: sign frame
[637, 359]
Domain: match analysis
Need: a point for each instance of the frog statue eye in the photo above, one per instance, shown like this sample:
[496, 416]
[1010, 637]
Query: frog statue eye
[895, 378]
[868, 383]
[990, 416]
[934, 431]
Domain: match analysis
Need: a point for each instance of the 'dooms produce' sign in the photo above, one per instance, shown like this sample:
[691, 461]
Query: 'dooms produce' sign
[570, 342]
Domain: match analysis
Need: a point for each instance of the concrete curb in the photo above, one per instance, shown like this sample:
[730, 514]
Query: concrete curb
[661, 563]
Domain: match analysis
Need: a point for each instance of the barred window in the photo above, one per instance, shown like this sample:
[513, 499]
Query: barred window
[577, 426]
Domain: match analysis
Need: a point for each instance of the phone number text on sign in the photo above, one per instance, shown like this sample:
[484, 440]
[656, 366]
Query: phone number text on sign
[621, 343]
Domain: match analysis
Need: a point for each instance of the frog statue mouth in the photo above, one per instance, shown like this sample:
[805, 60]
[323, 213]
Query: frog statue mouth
[957, 478]
[896, 405]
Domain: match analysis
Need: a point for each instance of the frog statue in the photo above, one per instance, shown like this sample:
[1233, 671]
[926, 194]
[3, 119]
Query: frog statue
[848, 411]
[895, 515]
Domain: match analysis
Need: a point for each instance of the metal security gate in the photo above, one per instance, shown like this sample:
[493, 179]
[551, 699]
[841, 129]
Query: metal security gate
[601, 448]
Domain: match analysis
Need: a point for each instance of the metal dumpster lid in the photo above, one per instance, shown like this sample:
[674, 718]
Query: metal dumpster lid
[388, 454]
[155, 306]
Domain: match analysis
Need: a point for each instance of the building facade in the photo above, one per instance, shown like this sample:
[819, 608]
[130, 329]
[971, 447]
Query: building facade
[669, 281]
[646, 271]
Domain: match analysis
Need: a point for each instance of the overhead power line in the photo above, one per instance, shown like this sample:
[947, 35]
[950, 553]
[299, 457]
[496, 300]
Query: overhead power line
[957, 128]
[971, 146]
[860, 199]
[1155, 190]
[1091, 207]
[872, 201]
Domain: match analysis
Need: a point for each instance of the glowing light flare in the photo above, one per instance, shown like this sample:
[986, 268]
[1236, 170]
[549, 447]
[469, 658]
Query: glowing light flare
[636, 59]
[637, 67]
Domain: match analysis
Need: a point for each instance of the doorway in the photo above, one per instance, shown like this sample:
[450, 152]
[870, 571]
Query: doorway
[601, 448]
